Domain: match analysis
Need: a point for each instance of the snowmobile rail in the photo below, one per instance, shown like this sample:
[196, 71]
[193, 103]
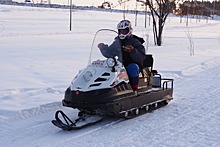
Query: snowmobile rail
[165, 83]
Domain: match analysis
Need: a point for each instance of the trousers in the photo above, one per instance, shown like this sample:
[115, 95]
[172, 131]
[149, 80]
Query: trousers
[133, 75]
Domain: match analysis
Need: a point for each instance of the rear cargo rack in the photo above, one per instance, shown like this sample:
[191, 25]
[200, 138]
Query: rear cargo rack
[165, 83]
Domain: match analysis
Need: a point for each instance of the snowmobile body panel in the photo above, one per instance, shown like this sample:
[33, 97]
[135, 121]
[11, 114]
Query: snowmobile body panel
[112, 102]
[97, 96]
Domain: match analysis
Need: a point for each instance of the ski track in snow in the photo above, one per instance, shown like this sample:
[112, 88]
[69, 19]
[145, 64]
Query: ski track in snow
[8, 95]
[202, 66]
[168, 126]
[29, 91]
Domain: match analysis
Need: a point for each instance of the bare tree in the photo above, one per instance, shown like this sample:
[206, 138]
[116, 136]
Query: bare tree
[159, 9]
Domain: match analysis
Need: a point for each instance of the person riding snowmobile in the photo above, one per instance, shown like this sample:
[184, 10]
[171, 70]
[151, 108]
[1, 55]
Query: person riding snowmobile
[133, 52]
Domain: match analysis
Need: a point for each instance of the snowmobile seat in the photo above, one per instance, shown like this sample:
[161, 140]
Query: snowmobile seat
[148, 61]
[147, 66]
[146, 71]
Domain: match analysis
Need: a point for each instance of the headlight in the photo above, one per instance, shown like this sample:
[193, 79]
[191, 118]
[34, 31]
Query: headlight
[111, 62]
[87, 76]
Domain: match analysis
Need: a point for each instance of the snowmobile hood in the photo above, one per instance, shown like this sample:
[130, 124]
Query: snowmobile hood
[99, 75]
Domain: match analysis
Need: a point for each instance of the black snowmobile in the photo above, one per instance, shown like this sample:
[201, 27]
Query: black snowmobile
[102, 88]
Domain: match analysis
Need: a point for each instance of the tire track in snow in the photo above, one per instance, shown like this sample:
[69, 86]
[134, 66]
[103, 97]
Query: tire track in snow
[203, 109]
[185, 122]
[28, 120]
[215, 62]
[23, 94]
[24, 131]
[36, 128]
[86, 133]
[169, 122]
[26, 92]
[197, 123]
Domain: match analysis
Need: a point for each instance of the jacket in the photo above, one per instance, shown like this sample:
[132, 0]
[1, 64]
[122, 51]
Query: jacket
[137, 55]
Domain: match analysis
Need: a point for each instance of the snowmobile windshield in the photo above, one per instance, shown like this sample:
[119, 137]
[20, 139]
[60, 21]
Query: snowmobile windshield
[106, 44]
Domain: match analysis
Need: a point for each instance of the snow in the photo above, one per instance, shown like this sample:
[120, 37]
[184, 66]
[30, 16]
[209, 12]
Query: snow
[40, 56]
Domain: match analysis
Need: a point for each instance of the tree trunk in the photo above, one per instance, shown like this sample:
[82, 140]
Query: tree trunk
[160, 30]
[154, 28]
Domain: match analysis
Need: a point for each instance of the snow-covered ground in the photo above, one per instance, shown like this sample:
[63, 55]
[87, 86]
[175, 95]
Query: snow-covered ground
[40, 56]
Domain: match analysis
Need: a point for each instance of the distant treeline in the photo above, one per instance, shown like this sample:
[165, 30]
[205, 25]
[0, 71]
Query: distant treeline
[204, 8]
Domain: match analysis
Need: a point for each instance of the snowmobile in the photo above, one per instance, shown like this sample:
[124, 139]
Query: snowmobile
[103, 89]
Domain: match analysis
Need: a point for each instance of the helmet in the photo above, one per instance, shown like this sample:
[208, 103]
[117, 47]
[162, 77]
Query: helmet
[124, 25]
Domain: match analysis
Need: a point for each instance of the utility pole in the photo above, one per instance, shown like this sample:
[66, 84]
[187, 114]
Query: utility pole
[136, 13]
[213, 12]
[145, 20]
[70, 15]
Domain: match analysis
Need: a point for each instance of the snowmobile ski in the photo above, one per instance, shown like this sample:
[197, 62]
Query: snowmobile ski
[67, 124]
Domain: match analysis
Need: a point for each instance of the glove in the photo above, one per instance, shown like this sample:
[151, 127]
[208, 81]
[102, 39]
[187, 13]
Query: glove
[128, 48]
[101, 45]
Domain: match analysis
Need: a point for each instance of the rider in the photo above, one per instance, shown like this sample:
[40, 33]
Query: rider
[133, 52]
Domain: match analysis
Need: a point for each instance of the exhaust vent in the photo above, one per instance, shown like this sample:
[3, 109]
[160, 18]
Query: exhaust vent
[94, 85]
[106, 74]
[100, 79]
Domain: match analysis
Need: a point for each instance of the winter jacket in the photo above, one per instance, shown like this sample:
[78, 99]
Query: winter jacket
[137, 55]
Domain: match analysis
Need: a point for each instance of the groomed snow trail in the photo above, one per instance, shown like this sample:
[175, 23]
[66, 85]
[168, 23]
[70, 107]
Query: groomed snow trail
[186, 121]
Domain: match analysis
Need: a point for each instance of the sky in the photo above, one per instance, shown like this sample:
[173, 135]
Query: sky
[40, 57]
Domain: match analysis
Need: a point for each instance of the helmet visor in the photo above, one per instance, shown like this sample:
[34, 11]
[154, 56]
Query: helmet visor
[123, 31]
